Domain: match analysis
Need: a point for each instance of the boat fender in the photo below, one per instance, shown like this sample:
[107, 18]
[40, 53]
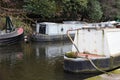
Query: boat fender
[26, 39]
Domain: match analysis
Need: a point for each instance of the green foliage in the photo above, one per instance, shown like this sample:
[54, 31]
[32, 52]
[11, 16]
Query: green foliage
[17, 22]
[2, 23]
[51, 8]
[82, 3]
[117, 5]
[44, 8]
[72, 8]
[111, 9]
[94, 10]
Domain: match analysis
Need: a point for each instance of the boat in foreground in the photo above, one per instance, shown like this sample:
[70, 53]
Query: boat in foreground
[10, 35]
[94, 49]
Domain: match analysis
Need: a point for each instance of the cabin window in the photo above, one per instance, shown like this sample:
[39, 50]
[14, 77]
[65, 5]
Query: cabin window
[42, 29]
[61, 29]
[106, 25]
[99, 25]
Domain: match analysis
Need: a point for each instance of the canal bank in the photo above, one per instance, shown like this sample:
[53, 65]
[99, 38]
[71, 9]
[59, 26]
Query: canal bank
[112, 75]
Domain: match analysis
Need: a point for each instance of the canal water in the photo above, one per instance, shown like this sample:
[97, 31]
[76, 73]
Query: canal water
[36, 61]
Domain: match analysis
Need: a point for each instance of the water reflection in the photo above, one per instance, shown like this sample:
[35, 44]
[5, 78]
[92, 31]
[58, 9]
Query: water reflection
[35, 61]
[11, 53]
[51, 50]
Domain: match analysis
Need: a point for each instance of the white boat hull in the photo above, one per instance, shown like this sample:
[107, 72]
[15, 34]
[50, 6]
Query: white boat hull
[91, 42]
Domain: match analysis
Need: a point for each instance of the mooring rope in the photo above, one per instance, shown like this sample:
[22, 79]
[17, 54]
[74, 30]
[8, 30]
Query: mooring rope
[92, 63]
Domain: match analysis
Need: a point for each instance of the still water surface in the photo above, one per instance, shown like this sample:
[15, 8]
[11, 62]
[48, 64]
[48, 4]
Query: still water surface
[36, 61]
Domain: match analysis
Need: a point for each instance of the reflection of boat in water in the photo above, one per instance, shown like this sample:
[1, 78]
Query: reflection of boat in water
[51, 49]
[94, 49]
[10, 35]
[11, 53]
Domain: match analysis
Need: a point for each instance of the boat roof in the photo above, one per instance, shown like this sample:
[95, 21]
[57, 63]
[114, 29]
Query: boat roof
[85, 24]
[74, 22]
[47, 23]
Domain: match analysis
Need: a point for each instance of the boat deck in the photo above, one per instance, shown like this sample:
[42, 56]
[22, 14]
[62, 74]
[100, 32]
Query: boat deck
[86, 55]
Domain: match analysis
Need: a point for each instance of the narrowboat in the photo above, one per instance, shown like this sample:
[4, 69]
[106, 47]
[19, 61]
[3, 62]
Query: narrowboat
[48, 31]
[10, 35]
[95, 49]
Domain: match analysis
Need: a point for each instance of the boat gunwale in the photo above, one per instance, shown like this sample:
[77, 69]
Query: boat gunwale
[11, 34]
[84, 58]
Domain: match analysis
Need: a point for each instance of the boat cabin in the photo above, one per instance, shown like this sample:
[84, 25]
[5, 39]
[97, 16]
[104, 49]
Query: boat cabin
[49, 28]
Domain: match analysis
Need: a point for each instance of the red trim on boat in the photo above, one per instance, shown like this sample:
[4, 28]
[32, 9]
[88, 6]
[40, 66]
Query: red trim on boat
[89, 55]
[20, 30]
